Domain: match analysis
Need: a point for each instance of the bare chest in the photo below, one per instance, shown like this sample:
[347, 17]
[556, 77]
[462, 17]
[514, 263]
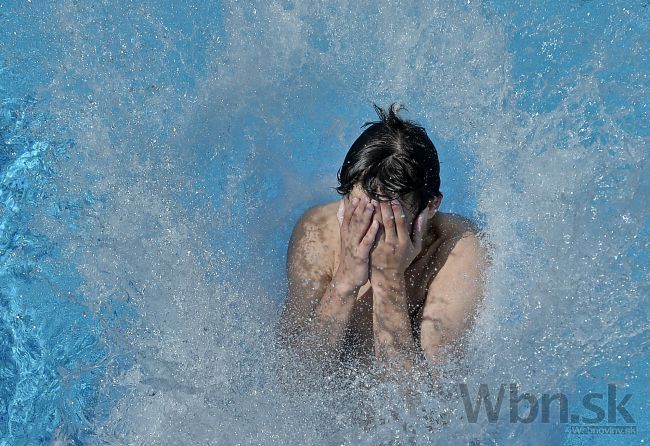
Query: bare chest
[358, 341]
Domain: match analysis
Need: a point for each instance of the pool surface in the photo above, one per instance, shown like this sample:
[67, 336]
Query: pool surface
[155, 155]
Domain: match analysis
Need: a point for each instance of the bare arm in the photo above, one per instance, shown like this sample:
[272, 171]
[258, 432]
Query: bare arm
[395, 347]
[319, 303]
[451, 299]
[309, 278]
[454, 294]
[393, 338]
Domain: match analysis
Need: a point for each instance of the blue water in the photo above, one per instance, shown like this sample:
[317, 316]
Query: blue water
[155, 155]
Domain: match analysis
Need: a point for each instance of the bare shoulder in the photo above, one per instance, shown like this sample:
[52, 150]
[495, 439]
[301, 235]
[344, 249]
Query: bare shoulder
[463, 236]
[330, 225]
[450, 225]
[453, 296]
[310, 224]
[315, 224]
[308, 269]
[311, 237]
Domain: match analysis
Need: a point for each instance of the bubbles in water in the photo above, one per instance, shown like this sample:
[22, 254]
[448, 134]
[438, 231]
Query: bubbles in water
[203, 131]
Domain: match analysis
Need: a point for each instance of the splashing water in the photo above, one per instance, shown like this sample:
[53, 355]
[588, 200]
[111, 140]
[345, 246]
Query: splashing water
[156, 155]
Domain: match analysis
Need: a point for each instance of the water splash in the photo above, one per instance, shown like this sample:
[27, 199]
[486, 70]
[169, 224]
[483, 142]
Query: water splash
[202, 132]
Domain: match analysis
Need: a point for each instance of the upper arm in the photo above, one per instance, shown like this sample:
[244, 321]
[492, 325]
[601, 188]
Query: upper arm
[308, 270]
[454, 293]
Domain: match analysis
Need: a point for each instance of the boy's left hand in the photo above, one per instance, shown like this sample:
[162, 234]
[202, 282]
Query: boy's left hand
[394, 248]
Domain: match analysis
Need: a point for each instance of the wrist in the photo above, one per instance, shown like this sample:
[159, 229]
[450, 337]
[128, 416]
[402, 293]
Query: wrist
[343, 286]
[385, 278]
[392, 273]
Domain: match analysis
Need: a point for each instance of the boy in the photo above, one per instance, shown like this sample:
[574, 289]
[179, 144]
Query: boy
[382, 274]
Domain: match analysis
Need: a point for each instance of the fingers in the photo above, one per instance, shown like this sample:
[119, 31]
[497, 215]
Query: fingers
[379, 218]
[339, 213]
[350, 206]
[418, 231]
[401, 224]
[388, 220]
[369, 239]
[361, 218]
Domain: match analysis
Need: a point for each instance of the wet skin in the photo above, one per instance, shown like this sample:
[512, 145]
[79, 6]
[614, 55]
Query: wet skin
[418, 292]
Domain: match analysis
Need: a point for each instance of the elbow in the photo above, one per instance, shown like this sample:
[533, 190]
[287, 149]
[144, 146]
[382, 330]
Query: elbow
[438, 345]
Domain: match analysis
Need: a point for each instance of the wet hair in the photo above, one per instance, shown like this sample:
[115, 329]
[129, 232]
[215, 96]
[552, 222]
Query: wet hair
[394, 156]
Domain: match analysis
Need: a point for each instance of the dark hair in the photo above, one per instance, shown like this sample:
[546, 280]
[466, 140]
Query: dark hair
[395, 156]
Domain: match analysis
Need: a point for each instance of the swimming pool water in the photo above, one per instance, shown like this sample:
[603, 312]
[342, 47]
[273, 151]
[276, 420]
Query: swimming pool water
[155, 155]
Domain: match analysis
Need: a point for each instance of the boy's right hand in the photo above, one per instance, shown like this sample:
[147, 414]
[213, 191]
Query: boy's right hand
[357, 238]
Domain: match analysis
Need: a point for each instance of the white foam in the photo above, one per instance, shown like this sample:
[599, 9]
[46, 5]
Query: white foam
[203, 347]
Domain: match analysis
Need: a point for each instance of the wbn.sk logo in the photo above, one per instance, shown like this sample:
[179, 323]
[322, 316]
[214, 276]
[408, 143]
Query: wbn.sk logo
[598, 404]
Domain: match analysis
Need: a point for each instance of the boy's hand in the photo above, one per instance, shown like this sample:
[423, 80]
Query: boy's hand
[395, 249]
[357, 237]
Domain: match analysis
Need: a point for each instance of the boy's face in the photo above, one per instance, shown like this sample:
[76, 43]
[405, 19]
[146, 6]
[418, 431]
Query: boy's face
[407, 202]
